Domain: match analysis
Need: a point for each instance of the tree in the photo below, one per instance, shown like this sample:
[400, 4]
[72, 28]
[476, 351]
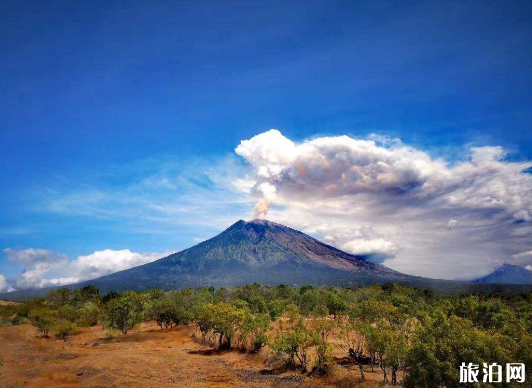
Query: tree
[125, 312]
[295, 340]
[110, 296]
[69, 313]
[336, 305]
[63, 328]
[86, 294]
[321, 328]
[163, 311]
[43, 319]
[354, 341]
[59, 297]
[276, 308]
[442, 343]
[223, 319]
[254, 329]
[309, 299]
[89, 314]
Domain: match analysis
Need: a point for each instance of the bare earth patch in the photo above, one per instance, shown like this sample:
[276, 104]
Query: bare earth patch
[146, 358]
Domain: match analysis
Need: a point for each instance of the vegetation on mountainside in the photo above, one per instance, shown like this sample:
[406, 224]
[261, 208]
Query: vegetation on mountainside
[413, 337]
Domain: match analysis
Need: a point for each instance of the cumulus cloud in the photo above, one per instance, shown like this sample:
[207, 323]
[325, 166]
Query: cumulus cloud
[45, 268]
[108, 261]
[411, 201]
[3, 284]
[37, 263]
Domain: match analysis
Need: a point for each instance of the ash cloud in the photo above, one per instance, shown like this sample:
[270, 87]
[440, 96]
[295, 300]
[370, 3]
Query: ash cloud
[427, 216]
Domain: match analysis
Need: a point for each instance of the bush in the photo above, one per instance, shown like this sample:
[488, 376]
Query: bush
[89, 314]
[69, 313]
[112, 333]
[63, 328]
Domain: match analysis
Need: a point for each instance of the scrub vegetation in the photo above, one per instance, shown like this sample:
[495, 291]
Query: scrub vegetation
[412, 337]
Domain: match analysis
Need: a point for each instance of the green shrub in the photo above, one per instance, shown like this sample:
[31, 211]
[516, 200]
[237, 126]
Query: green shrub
[89, 314]
[63, 328]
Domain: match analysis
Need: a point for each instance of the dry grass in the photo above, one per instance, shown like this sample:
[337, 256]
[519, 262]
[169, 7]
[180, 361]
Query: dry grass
[8, 303]
[147, 358]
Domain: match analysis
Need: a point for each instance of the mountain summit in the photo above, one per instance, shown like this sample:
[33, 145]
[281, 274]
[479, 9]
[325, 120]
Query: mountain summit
[255, 251]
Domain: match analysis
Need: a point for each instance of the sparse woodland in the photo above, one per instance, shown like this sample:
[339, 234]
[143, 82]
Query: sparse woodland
[415, 338]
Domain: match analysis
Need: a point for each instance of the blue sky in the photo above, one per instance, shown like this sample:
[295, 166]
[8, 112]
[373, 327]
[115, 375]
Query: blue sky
[108, 109]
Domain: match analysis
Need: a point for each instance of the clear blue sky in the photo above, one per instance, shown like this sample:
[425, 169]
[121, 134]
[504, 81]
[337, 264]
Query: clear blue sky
[94, 94]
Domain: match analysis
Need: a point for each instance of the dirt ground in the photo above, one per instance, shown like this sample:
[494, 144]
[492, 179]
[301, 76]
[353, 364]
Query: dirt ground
[148, 357]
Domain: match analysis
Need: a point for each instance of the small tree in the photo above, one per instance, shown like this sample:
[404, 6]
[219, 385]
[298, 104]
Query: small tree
[223, 319]
[43, 319]
[125, 312]
[295, 340]
[354, 342]
[254, 329]
[163, 311]
[321, 328]
[89, 314]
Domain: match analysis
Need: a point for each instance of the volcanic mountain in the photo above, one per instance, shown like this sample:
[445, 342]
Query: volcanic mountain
[507, 274]
[257, 251]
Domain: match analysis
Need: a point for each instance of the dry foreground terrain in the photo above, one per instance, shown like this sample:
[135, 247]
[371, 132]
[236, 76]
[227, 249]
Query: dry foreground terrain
[149, 357]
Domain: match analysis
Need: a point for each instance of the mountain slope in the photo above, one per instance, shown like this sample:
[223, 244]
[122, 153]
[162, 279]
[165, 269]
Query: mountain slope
[507, 274]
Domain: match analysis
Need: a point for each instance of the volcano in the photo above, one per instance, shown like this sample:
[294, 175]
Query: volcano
[256, 251]
[507, 274]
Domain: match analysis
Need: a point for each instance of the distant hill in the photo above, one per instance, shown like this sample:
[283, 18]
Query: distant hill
[257, 251]
[507, 274]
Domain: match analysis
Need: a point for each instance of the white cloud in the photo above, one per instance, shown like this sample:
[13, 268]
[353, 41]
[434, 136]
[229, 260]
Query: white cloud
[378, 249]
[3, 283]
[37, 263]
[409, 201]
[108, 261]
[55, 269]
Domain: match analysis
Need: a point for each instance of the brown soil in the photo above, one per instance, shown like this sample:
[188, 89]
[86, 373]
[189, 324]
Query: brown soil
[146, 358]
